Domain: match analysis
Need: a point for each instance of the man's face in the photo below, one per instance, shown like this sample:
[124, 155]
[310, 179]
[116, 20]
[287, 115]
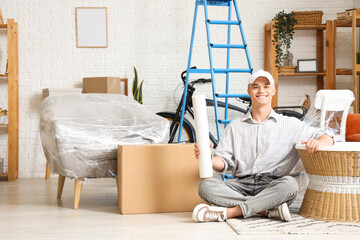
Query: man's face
[261, 91]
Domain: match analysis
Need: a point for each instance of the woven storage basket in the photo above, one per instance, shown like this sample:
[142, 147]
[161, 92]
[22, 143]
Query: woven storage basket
[308, 17]
[333, 193]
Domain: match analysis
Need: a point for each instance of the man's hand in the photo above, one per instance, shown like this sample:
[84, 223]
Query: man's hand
[217, 162]
[312, 145]
[197, 150]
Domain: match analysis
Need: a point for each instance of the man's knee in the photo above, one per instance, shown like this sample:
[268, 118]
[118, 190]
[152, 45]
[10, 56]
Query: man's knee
[206, 186]
[289, 184]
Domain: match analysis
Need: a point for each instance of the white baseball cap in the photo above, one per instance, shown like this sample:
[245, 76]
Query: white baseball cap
[261, 73]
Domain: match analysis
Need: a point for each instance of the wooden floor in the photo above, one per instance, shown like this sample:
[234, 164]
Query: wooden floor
[29, 210]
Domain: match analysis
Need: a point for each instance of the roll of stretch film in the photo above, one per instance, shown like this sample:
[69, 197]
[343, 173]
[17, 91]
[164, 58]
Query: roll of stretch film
[202, 136]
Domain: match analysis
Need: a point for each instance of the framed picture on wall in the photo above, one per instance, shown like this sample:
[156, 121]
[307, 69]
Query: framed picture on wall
[91, 27]
[307, 66]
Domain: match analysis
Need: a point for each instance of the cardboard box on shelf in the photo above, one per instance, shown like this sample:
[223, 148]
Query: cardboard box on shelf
[340, 16]
[157, 178]
[112, 85]
[349, 12]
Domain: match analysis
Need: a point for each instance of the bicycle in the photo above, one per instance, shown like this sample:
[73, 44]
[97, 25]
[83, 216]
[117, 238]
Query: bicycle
[188, 134]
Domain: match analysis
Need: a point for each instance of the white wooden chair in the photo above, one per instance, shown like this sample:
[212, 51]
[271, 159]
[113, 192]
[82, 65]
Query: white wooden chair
[334, 100]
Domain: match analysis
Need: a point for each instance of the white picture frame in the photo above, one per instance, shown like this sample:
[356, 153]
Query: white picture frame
[91, 27]
[307, 66]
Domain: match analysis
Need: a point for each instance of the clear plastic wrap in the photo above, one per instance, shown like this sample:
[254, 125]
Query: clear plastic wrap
[80, 133]
[330, 111]
[332, 119]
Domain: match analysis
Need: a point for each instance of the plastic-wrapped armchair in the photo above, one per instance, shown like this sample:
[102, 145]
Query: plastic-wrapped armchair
[80, 134]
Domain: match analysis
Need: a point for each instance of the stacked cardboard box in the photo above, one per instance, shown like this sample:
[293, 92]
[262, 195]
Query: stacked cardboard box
[111, 85]
[347, 14]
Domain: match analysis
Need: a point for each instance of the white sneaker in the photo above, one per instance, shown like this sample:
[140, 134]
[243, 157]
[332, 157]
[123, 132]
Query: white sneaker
[206, 213]
[281, 212]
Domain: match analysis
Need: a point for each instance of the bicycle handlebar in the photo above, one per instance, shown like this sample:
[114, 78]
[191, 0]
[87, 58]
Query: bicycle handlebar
[201, 80]
[192, 83]
[183, 76]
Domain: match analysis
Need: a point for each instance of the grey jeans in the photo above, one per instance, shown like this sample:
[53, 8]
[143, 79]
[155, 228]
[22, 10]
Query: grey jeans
[253, 193]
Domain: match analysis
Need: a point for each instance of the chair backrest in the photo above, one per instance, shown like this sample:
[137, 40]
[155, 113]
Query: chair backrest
[334, 100]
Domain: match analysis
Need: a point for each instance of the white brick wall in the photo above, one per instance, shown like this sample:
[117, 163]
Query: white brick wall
[154, 36]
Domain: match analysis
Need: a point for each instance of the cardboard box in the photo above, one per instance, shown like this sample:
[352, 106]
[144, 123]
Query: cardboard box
[349, 12]
[112, 85]
[157, 178]
[46, 92]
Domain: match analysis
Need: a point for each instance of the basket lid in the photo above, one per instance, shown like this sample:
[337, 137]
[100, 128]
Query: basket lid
[338, 147]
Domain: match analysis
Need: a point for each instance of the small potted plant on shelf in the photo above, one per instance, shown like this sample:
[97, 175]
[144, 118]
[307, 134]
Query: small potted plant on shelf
[283, 34]
[136, 88]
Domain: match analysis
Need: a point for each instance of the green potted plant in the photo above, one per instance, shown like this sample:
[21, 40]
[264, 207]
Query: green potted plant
[283, 34]
[136, 88]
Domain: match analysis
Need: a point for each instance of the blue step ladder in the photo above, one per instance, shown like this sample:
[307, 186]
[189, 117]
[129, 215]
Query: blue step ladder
[229, 22]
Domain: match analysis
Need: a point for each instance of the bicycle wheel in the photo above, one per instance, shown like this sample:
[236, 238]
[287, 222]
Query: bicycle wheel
[188, 131]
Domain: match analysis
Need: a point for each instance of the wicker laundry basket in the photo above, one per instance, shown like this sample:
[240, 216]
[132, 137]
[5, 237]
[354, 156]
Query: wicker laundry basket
[308, 17]
[333, 193]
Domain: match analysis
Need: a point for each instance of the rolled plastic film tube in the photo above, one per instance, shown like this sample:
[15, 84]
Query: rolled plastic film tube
[202, 136]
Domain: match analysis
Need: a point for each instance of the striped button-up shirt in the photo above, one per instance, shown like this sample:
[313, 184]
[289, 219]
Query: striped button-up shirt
[249, 148]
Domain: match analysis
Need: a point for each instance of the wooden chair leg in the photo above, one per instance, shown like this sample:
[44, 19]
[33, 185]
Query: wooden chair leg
[77, 192]
[60, 186]
[47, 172]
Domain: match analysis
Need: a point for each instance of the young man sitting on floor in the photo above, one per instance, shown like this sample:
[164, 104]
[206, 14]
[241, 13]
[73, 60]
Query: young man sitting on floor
[259, 150]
